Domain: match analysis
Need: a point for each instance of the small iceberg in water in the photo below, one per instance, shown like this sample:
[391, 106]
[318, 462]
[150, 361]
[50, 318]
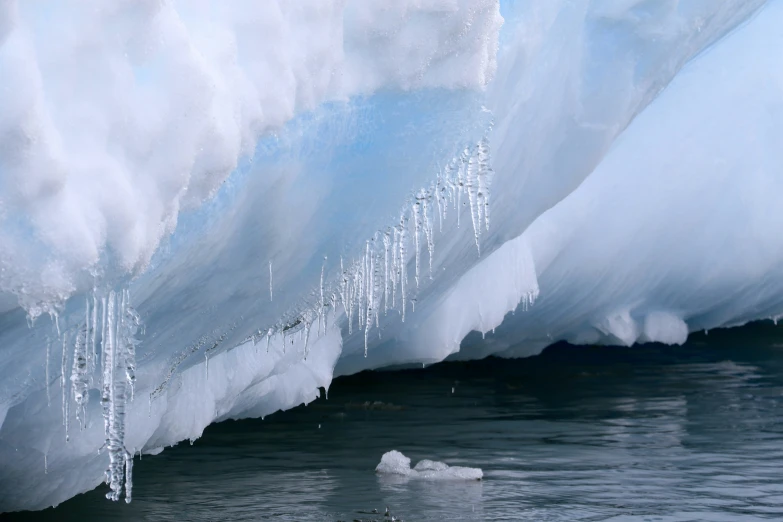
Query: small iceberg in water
[395, 463]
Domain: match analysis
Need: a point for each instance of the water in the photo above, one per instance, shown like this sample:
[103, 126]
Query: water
[648, 433]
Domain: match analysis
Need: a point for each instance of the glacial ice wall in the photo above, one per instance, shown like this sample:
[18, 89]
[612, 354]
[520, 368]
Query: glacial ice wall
[677, 229]
[287, 191]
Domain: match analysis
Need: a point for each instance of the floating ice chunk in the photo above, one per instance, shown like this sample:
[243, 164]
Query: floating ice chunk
[395, 463]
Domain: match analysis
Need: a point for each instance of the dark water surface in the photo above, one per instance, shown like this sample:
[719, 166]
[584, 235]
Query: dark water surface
[647, 433]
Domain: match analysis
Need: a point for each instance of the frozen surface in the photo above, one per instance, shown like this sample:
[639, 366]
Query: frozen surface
[396, 464]
[218, 214]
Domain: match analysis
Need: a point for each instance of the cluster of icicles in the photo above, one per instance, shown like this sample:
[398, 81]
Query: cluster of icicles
[378, 281]
[101, 353]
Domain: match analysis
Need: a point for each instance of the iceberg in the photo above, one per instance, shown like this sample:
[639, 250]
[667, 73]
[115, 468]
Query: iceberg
[209, 210]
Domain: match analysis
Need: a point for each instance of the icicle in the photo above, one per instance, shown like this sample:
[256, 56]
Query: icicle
[460, 184]
[64, 389]
[128, 476]
[353, 291]
[471, 183]
[322, 303]
[46, 369]
[403, 266]
[270, 280]
[367, 282]
[62, 370]
[386, 246]
[206, 365]
[130, 350]
[427, 229]
[376, 292]
[342, 290]
[326, 316]
[307, 325]
[107, 361]
[438, 190]
[103, 328]
[46, 464]
[395, 264]
[485, 176]
[480, 205]
[446, 192]
[87, 338]
[107, 341]
[79, 379]
[268, 338]
[94, 333]
[451, 187]
[370, 301]
[118, 375]
[359, 286]
[366, 286]
[416, 212]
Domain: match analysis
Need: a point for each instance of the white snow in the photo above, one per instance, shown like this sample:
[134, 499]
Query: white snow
[285, 192]
[116, 117]
[395, 463]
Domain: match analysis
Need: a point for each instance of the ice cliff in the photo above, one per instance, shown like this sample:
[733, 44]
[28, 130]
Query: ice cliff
[209, 209]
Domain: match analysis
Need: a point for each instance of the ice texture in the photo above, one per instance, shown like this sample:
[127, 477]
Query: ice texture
[115, 118]
[209, 209]
[395, 463]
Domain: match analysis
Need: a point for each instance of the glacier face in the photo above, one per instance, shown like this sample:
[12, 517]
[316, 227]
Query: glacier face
[676, 229]
[221, 167]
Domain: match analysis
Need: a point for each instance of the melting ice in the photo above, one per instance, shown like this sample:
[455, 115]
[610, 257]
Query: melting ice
[221, 214]
[395, 463]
